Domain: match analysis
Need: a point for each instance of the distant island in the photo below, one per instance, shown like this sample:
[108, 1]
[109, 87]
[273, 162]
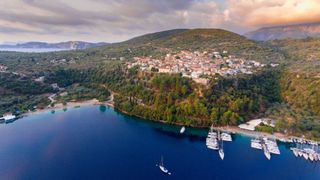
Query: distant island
[70, 45]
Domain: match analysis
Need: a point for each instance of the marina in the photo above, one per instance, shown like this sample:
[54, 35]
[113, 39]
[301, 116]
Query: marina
[215, 140]
[308, 150]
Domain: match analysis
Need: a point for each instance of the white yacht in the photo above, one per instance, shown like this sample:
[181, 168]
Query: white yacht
[182, 130]
[295, 151]
[226, 137]
[266, 151]
[311, 157]
[305, 155]
[309, 153]
[162, 168]
[211, 141]
[316, 158]
[213, 146]
[271, 146]
[8, 118]
[256, 144]
[221, 153]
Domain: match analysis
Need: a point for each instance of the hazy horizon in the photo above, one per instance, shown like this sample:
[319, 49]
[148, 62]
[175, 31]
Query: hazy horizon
[116, 21]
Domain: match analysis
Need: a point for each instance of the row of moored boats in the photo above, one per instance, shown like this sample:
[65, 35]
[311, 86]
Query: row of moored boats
[268, 146]
[307, 153]
[215, 140]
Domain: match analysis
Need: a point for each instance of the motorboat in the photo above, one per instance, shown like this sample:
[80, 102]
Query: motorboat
[182, 130]
[226, 137]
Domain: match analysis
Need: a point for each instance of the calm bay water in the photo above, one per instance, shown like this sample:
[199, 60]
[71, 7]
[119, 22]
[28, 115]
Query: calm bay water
[96, 143]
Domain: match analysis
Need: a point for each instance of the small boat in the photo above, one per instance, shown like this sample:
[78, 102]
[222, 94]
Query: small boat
[182, 130]
[162, 168]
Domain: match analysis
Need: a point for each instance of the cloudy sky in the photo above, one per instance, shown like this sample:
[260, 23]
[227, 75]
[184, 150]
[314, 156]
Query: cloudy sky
[117, 20]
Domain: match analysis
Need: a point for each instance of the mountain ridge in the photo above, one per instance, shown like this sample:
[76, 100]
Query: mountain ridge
[294, 31]
[60, 45]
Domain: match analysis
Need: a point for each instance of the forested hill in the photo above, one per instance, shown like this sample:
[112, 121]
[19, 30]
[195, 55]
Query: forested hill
[170, 41]
[155, 44]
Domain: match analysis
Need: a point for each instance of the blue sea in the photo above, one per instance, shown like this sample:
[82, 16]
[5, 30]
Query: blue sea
[95, 142]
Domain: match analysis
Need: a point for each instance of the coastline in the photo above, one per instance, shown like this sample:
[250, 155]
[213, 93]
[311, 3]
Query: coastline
[229, 129]
[69, 105]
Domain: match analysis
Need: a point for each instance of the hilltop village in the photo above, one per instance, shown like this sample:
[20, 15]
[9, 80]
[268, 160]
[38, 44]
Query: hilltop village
[198, 65]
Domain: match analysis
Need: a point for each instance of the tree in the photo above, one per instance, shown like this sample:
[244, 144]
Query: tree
[168, 116]
[234, 119]
[214, 116]
[225, 120]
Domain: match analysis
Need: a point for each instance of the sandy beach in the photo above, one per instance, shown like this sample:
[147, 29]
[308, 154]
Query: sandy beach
[69, 105]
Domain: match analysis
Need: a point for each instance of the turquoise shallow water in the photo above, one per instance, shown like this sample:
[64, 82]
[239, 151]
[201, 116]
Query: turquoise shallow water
[96, 143]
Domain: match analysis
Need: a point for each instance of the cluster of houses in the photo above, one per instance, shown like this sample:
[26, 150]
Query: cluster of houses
[198, 65]
[62, 61]
[3, 68]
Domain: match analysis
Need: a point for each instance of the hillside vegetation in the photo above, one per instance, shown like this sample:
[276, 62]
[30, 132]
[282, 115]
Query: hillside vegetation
[156, 44]
[288, 93]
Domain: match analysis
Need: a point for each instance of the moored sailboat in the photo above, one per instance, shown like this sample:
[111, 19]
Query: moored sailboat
[221, 152]
[266, 151]
[163, 168]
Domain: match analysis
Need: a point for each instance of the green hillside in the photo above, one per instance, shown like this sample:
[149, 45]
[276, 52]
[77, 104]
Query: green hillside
[155, 44]
[289, 93]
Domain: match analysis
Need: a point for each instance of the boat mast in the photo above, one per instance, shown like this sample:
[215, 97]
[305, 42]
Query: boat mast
[161, 162]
